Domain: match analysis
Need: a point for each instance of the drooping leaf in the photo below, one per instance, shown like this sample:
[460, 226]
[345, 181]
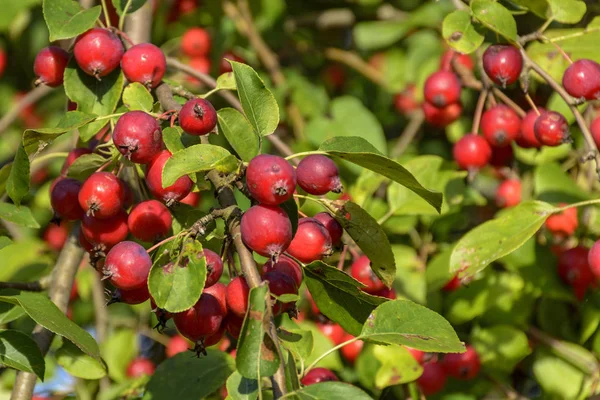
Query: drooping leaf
[20, 351]
[296, 340]
[397, 366]
[10, 312]
[328, 391]
[256, 356]
[410, 324]
[197, 158]
[67, 19]
[137, 97]
[240, 388]
[46, 314]
[239, 133]
[495, 17]
[79, 364]
[177, 287]
[19, 215]
[85, 165]
[133, 6]
[339, 296]
[226, 81]
[258, 102]
[498, 237]
[34, 140]
[371, 239]
[459, 32]
[17, 184]
[186, 377]
[93, 96]
[361, 152]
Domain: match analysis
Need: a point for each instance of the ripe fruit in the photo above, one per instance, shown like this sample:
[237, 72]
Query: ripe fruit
[177, 344]
[500, 125]
[311, 241]
[433, 378]
[101, 195]
[333, 227]
[280, 284]
[574, 269]
[595, 130]
[508, 193]
[451, 56]
[133, 296]
[214, 267]
[72, 156]
[56, 236]
[198, 117]
[98, 52]
[503, 64]
[144, 63]
[502, 156]
[285, 265]
[233, 324]
[149, 221]
[138, 137]
[452, 285]
[362, 272]
[49, 65]
[224, 66]
[127, 266]
[472, 152]
[442, 88]
[563, 223]
[333, 331]
[2, 62]
[594, 259]
[195, 42]
[351, 351]
[388, 293]
[266, 229]
[527, 138]
[318, 175]
[215, 337]
[64, 197]
[237, 296]
[270, 179]
[200, 64]
[582, 79]
[169, 195]
[418, 355]
[463, 366]
[192, 199]
[219, 291]
[551, 128]
[318, 375]
[441, 117]
[405, 101]
[202, 320]
[105, 232]
[140, 367]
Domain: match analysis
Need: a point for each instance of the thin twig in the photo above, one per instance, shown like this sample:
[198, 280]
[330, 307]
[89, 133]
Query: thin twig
[354, 61]
[36, 286]
[409, 133]
[100, 316]
[30, 98]
[479, 111]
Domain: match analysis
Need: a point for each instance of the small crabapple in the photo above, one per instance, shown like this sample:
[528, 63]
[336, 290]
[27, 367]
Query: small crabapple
[64, 196]
[472, 152]
[144, 63]
[333, 227]
[286, 266]
[140, 367]
[595, 130]
[149, 220]
[233, 325]
[198, 117]
[219, 291]
[270, 179]
[101, 195]
[351, 351]
[49, 65]
[266, 229]
[418, 355]
[72, 156]
[311, 242]
[106, 232]
[500, 125]
[451, 56]
[594, 259]
[132, 296]
[405, 102]
[551, 128]
[574, 269]
[195, 42]
[280, 284]
[442, 88]
[237, 296]
[214, 267]
[503, 64]
[56, 236]
[98, 52]
[127, 266]
[508, 193]
[433, 378]
[318, 175]
[441, 117]
[318, 375]
[452, 285]
[202, 320]
[138, 136]
[582, 79]
[171, 194]
[224, 65]
[563, 223]
[463, 366]
[199, 64]
[333, 331]
[177, 344]
[362, 272]
[527, 137]
[192, 199]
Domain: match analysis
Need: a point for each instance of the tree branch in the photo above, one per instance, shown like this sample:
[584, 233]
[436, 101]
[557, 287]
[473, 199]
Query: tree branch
[30, 98]
[138, 24]
[63, 276]
[354, 61]
[36, 286]
[414, 124]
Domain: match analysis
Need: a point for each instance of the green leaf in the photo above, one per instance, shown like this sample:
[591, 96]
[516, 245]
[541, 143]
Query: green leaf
[17, 184]
[93, 96]
[397, 366]
[12, 10]
[197, 158]
[5, 241]
[121, 4]
[137, 97]
[378, 34]
[85, 165]
[258, 102]
[328, 391]
[544, 155]
[256, 356]
[118, 350]
[556, 376]
[226, 81]
[187, 377]
[20, 351]
[371, 239]
[46, 314]
[498, 237]
[67, 19]
[19, 215]
[172, 139]
[566, 11]
[361, 152]
[239, 133]
[437, 273]
[240, 388]
[297, 341]
[459, 32]
[500, 347]
[339, 296]
[410, 324]
[34, 140]
[177, 287]
[10, 312]
[26, 254]
[78, 364]
[553, 185]
[495, 17]
[322, 344]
